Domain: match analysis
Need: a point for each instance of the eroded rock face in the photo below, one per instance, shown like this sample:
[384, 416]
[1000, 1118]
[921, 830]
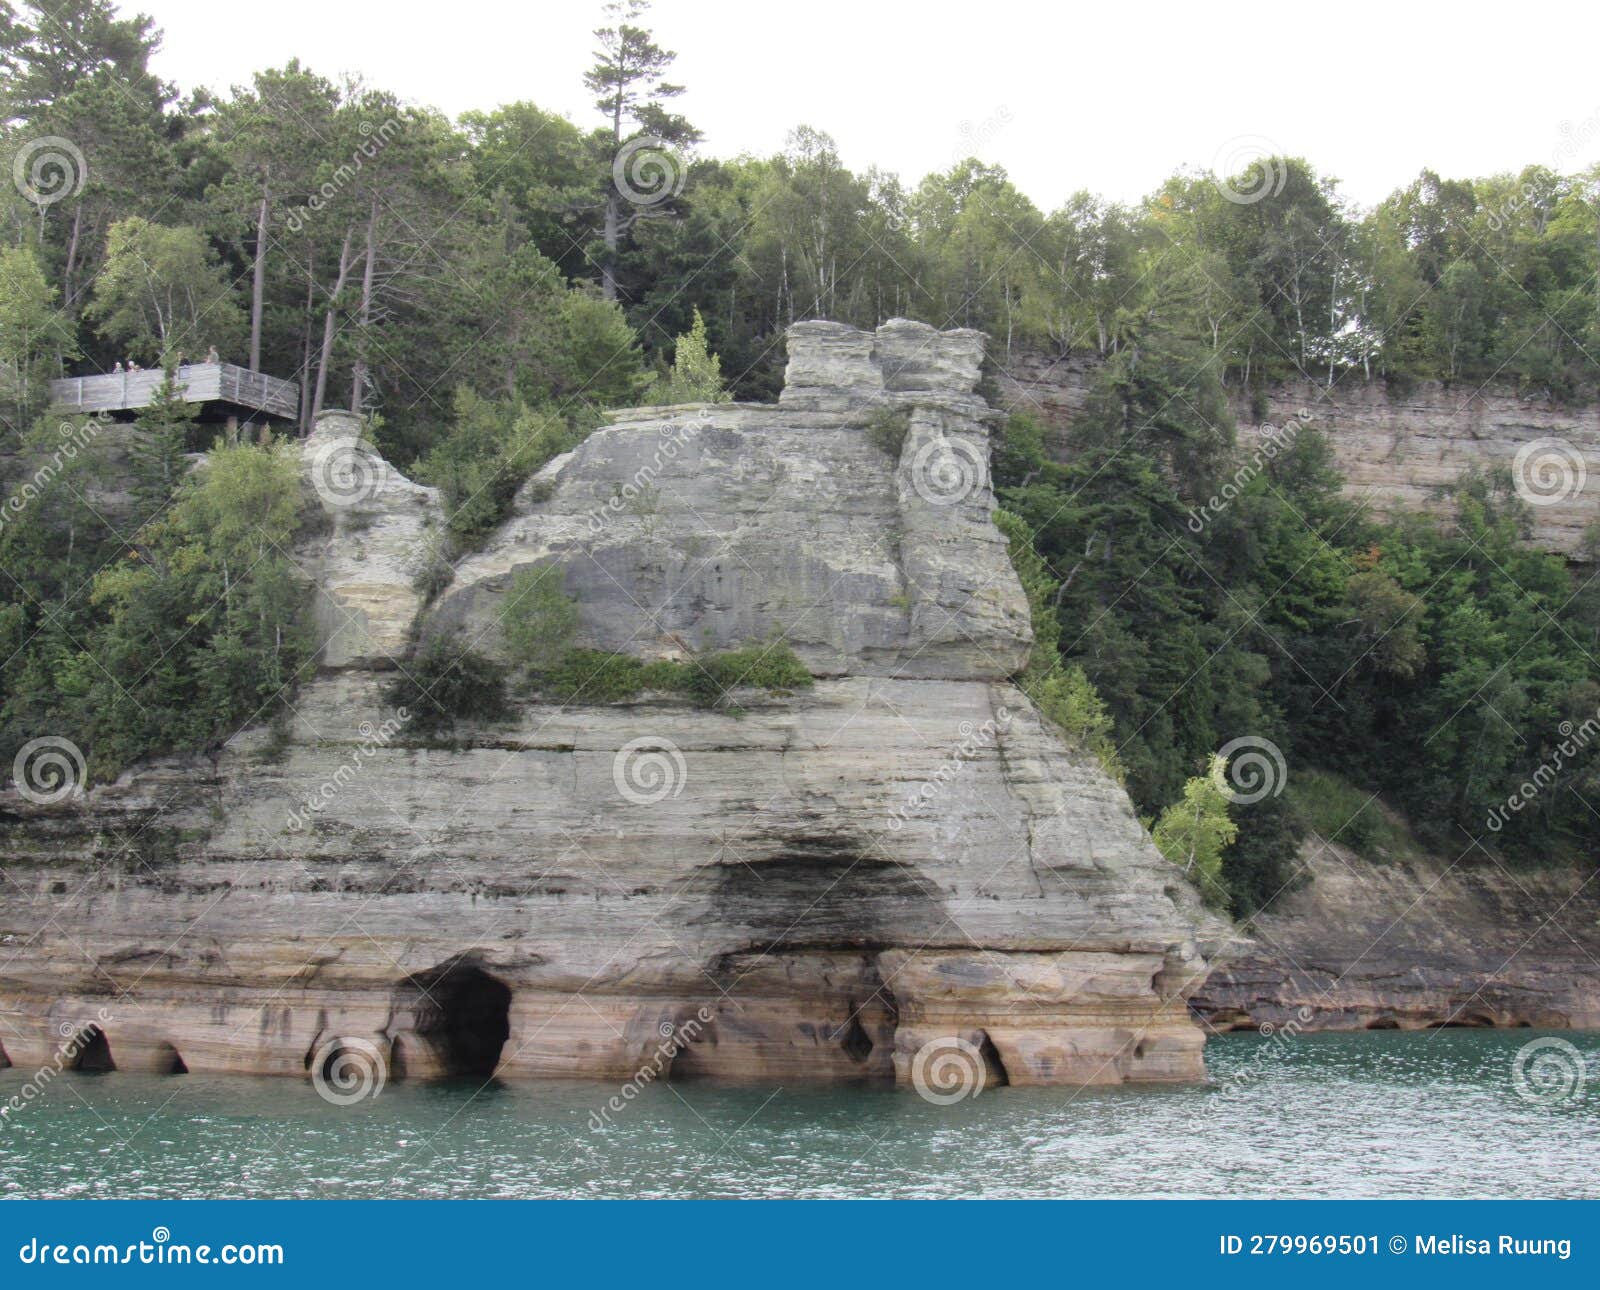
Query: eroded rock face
[1395, 452]
[382, 528]
[709, 528]
[1409, 945]
[822, 886]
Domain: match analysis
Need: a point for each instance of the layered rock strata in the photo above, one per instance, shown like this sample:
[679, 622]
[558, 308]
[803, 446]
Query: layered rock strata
[1408, 945]
[1396, 451]
[834, 883]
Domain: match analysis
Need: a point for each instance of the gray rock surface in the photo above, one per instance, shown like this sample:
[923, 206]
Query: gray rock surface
[829, 884]
[1407, 945]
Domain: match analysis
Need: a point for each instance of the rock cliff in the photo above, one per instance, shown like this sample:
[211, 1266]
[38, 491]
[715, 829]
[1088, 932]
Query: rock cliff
[1411, 944]
[1395, 451]
[835, 883]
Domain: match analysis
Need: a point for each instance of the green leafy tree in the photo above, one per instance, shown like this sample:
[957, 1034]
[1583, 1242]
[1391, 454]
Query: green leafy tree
[163, 293]
[34, 336]
[1194, 832]
[696, 375]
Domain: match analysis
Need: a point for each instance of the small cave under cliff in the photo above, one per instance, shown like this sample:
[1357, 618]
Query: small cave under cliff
[462, 1016]
[169, 1061]
[4, 1060]
[91, 1051]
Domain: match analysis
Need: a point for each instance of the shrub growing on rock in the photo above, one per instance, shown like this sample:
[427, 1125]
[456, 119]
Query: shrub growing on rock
[887, 428]
[538, 618]
[446, 682]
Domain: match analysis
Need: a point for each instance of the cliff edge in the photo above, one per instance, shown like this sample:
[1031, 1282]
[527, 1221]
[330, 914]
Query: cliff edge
[900, 867]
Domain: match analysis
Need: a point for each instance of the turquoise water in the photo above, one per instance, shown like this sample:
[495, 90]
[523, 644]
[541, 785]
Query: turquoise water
[1383, 1114]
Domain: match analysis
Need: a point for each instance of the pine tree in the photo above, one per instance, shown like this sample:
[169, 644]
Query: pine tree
[626, 81]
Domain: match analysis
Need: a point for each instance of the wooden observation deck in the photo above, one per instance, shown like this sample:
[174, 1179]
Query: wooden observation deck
[222, 390]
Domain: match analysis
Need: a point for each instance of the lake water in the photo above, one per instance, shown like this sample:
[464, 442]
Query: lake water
[1382, 1114]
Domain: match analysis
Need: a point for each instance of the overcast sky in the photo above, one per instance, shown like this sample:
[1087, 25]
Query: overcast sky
[1108, 96]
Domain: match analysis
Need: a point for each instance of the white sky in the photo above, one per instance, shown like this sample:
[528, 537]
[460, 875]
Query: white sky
[1106, 96]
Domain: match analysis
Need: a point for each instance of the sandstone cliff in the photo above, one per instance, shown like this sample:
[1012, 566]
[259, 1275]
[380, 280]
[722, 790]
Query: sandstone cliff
[1395, 451]
[1416, 943]
[827, 884]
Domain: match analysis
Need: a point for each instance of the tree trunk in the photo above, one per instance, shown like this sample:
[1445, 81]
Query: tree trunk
[358, 381]
[613, 235]
[258, 286]
[305, 344]
[325, 354]
[70, 269]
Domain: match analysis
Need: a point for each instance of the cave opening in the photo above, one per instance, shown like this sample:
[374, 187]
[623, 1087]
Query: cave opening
[996, 1075]
[170, 1061]
[4, 1060]
[857, 1043]
[92, 1052]
[464, 1014]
